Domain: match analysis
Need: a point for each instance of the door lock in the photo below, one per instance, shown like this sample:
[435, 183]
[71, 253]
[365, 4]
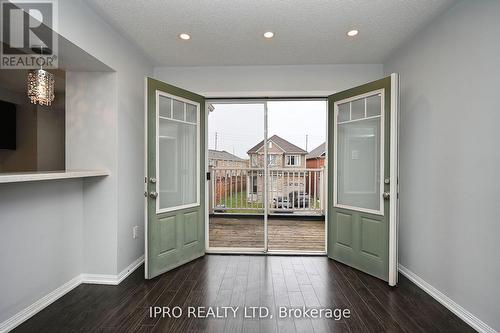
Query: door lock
[386, 195]
[153, 195]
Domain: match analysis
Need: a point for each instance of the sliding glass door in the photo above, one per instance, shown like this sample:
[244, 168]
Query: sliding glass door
[237, 184]
[265, 193]
[296, 175]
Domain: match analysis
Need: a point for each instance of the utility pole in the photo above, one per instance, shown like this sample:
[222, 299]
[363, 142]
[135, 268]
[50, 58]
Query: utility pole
[215, 140]
[307, 139]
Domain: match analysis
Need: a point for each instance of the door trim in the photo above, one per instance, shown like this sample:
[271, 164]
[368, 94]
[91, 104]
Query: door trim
[394, 182]
[145, 178]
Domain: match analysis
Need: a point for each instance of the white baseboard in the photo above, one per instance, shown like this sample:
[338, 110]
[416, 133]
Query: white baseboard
[53, 296]
[39, 305]
[451, 305]
[112, 279]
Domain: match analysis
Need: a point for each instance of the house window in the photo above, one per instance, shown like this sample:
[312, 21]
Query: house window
[271, 159]
[255, 161]
[292, 160]
[254, 184]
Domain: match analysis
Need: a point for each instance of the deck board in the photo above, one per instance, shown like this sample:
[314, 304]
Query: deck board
[284, 234]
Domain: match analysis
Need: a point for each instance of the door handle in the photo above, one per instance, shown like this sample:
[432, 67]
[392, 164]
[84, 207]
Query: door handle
[153, 195]
[386, 195]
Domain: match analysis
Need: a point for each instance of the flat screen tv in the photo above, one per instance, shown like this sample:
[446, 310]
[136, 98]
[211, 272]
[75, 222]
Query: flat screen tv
[7, 125]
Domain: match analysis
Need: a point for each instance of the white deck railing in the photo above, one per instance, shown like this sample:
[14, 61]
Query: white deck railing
[290, 191]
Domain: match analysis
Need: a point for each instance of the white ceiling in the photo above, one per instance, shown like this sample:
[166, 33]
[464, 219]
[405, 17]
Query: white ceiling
[229, 32]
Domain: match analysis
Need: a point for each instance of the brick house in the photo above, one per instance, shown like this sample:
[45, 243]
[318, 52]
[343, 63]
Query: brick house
[230, 176]
[316, 160]
[223, 159]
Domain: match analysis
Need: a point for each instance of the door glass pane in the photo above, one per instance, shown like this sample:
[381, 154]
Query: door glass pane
[190, 113]
[295, 181]
[177, 162]
[373, 105]
[165, 106]
[358, 109]
[178, 110]
[236, 166]
[358, 164]
[344, 112]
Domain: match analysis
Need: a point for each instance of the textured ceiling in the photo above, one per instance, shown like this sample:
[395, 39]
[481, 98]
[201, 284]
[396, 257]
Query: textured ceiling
[229, 32]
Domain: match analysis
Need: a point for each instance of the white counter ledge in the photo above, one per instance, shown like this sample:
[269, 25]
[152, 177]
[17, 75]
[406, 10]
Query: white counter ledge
[17, 177]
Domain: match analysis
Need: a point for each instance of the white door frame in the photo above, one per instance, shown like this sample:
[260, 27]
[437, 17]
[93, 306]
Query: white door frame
[394, 182]
[264, 250]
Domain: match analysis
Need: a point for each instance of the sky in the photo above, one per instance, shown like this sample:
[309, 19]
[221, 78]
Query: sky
[239, 127]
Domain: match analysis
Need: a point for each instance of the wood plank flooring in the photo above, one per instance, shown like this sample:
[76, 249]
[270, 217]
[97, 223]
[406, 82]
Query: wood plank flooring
[284, 234]
[240, 280]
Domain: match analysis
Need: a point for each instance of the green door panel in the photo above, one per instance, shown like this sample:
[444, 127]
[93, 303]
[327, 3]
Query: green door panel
[175, 237]
[356, 238]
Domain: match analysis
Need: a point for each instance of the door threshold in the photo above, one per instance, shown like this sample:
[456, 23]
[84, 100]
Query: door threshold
[263, 252]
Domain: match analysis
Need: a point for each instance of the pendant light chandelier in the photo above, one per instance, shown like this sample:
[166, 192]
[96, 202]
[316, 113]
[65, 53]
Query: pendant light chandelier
[41, 85]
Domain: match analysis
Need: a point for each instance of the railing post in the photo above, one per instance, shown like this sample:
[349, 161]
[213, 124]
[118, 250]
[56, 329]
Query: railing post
[322, 190]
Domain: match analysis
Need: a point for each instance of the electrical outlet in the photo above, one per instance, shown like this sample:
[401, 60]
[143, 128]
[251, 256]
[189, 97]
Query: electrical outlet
[135, 231]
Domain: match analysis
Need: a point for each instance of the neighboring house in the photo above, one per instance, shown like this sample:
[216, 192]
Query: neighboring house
[316, 158]
[230, 176]
[223, 159]
[286, 163]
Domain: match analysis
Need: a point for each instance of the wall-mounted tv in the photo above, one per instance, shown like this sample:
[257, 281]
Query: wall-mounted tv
[7, 125]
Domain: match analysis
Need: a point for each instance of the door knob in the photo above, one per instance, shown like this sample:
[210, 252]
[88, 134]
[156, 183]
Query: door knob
[153, 195]
[152, 180]
[386, 195]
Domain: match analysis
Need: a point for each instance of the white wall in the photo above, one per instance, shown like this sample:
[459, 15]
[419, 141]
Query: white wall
[243, 81]
[79, 24]
[41, 240]
[91, 143]
[50, 134]
[450, 158]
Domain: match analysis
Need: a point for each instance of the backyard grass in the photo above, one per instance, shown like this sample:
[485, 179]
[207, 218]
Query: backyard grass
[239, 200]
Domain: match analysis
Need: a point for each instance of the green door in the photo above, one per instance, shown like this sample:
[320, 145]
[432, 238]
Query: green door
[362, 178]
[175, 226]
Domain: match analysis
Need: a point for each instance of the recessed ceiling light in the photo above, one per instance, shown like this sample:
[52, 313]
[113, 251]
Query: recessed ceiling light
[269, 34]
[184, 36]
[352, 33]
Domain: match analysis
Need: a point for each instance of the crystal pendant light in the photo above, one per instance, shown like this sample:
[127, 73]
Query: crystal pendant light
[41, 86]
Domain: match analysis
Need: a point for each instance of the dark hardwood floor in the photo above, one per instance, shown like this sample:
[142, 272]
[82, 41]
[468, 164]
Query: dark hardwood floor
[238, 280]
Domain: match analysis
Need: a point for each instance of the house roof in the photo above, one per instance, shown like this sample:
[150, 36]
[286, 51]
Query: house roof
[285, 145]
[222, 155]
[317, 152]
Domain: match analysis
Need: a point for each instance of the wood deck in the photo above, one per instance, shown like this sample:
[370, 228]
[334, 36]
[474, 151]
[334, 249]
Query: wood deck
[284, 234]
